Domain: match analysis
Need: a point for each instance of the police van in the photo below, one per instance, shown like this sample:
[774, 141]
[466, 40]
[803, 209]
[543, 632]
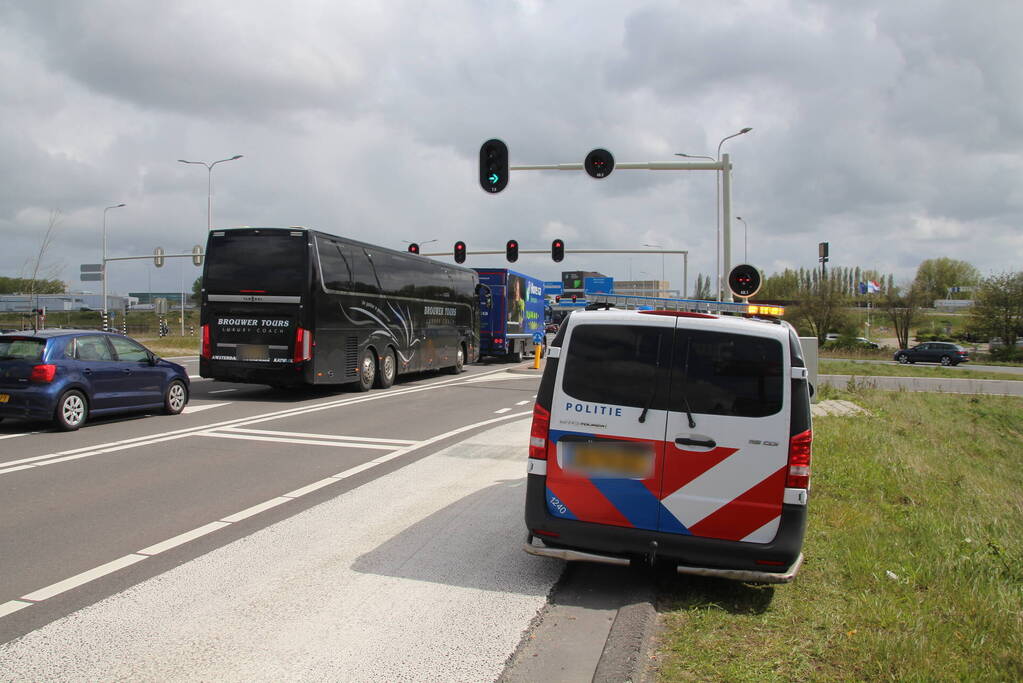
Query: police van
[680, 434]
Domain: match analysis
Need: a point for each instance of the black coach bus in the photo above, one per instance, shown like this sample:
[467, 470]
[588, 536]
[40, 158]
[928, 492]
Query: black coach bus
[293, 306]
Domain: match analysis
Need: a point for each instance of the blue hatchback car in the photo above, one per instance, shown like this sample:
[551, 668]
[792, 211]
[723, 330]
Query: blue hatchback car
[68, 376]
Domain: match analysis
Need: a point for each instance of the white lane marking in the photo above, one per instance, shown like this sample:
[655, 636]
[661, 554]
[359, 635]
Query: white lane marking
[499, 411]
[222, 391]
[509, 375]
[522, 403]
[195, 377]
[255, 509]
[331, 437]
[202, 406]
[304, 442]
[14, 436]
[8, 467]
[83, 578]
[12, 606]
[157, 548]
[181, 539]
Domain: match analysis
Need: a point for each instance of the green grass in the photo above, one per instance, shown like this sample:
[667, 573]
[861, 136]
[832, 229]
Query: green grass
[914, 557]
[171, 346]
[829, 366]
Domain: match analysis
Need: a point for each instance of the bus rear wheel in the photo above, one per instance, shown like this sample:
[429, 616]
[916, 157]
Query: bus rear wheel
[388, 369]
[367, 370]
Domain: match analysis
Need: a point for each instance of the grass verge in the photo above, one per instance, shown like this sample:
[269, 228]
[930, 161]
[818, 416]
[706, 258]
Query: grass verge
[848, 367]
[914, 557]
[168, 347]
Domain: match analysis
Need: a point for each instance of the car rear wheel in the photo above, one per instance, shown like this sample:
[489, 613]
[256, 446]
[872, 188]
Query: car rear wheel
[946, 360]
[367, 370]
[388, 368]
[903, 358]
[175, 398]
[72, 409]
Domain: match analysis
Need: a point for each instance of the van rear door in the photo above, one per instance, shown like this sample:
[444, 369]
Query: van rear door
[608, 422]
[727, 436]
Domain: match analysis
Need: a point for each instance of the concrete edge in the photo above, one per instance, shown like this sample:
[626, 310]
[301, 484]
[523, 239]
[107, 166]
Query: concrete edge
[630, 643]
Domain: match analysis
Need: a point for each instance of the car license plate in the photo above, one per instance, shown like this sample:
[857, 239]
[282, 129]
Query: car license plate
[4, 398]
[257, 352]
[609, 459]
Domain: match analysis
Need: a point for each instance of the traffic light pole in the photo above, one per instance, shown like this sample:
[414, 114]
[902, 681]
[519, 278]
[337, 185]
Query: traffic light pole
[724, 167]
[685, 255]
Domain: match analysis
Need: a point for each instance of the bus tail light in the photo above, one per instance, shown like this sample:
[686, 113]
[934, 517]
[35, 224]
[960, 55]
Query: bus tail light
[538, 432]
[799, 461]
[205, 352]
[303, 345]
[43, 373]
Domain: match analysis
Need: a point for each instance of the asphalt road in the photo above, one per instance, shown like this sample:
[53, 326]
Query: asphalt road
[269, 535]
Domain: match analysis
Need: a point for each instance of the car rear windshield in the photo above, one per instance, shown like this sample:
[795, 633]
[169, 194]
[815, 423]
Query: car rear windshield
[257, 261]
[716, 373]
[20, 348]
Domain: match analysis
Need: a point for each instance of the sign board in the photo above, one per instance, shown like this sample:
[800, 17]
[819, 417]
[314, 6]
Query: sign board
[91, 277]
[552, 288]
[599, 285]
[92, 267]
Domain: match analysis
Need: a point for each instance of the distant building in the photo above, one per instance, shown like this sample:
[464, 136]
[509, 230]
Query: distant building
[658, 288]
[73, 301]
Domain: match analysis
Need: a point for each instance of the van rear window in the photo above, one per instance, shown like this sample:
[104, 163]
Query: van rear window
[617, 364]
[727, 374]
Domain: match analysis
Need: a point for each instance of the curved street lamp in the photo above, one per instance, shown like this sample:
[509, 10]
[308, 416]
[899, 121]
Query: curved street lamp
[104, 266]
[209, 184]
[720, 288]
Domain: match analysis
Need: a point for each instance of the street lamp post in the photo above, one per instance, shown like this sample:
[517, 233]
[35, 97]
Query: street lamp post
[745, 239]
[209, 184]
[727, 227]
[104, 266]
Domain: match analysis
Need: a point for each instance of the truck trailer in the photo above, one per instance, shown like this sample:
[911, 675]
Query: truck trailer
[510, 325]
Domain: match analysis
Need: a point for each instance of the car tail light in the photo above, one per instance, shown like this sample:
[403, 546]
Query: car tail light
[498, 341]
[205, 352]
[43, 373]
[799, 461]
[303, 345]
[538, 432]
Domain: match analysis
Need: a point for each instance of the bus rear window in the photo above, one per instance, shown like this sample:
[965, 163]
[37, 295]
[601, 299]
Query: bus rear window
[257, 261]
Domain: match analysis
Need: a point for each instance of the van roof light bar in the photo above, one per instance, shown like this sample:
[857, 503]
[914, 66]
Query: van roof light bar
[631, 302]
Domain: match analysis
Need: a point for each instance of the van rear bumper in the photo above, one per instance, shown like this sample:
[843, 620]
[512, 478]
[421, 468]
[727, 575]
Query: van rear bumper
[573, 540]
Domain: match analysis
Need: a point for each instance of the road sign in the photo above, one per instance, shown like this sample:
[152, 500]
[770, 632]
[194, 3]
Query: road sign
[91, 277]
[551, 288]
[599, 285]
[599, 163]
[92, 267]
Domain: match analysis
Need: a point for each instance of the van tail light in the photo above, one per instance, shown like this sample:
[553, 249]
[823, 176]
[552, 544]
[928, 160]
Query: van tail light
[799, 461]
[205, 352]
[538, 432]
[43, 373]
[303, 345]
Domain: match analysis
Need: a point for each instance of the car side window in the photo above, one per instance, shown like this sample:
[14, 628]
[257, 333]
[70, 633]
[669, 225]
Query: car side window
[92, 349]
[128, 350]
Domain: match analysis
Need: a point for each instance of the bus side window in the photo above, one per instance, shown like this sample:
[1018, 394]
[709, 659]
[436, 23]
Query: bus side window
[364, 277]
[334, 265]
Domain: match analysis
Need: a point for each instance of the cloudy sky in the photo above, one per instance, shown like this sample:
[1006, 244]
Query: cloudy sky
[892, 130]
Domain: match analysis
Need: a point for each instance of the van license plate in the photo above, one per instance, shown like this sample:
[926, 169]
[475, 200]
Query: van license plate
[258, 352]
[613, 459]
[4, 398]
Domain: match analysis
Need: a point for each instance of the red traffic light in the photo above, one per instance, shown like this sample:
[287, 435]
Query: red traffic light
[413, 248]
[599, 163]
[511, 251]
[459, 252]
[557, 251]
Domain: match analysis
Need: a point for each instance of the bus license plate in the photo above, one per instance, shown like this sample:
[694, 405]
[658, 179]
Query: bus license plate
[4, 398]
[610, 459]
[255, 352]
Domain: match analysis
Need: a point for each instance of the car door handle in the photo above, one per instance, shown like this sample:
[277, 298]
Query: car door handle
[87, 371]
[709, 443]
[127, 371]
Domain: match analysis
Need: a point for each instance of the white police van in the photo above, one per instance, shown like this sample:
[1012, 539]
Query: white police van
[673, 435]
